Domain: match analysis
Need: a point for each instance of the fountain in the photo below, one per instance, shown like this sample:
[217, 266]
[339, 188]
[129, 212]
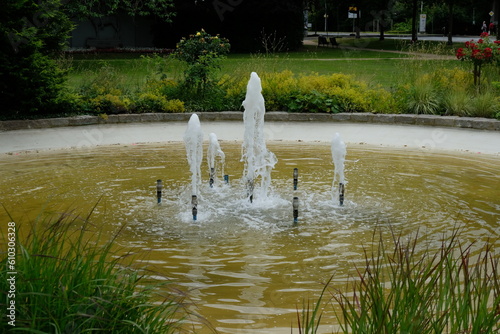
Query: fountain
[248, 264]
[338, 156]
[259, 161]
[193, 139]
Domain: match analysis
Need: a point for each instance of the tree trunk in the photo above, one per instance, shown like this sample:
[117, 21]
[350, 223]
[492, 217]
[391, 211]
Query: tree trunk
[381, 26]
[450, 22]
[414, 37]
[477, 75]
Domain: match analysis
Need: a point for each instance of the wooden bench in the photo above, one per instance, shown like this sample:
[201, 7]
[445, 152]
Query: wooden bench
[322, 41]
[333, 42]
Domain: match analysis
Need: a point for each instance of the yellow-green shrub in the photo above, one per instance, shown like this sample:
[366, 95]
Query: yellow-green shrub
[175, 106]
[110, 104]
[149, 102]
[166, 87]
[277, 88]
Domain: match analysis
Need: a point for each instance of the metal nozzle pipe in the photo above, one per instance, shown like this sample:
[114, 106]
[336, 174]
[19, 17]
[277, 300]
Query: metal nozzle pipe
[194, 203]
[250, 187]
[295, 205]
[295, 178]
[212, 173]
[341, 193]
[159, 187]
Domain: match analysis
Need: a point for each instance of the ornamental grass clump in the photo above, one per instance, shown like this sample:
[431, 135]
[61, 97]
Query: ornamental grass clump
[480, 53]
[70, 280]
[406, 289]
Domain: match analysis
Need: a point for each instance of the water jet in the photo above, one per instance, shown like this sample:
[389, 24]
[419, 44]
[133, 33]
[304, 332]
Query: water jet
[193, 140]
[259, 161]
[338, 156]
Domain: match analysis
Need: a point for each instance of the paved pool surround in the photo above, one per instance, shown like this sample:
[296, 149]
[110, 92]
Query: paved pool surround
[427, 132]
[408, 119]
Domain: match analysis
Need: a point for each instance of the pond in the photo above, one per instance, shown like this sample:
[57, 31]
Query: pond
[247, 267]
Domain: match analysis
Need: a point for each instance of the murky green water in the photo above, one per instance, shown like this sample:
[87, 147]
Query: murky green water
[247, 267]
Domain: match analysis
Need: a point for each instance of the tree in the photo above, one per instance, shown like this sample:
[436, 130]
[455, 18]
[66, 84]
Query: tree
[32, 33]
[85, 9]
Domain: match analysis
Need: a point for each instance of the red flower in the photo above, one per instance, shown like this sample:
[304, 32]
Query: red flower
[484, 34]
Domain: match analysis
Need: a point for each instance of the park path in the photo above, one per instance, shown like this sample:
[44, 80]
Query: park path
[411, 55]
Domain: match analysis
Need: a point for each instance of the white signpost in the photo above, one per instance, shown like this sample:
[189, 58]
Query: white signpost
[423, 21]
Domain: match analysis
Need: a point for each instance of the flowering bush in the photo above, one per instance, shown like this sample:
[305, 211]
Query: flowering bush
[479, 53]
[202, 53]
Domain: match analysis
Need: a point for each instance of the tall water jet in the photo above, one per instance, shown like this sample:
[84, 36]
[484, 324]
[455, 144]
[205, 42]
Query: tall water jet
[193, 139]
[214, 151]
[259, 161]
[338, 156]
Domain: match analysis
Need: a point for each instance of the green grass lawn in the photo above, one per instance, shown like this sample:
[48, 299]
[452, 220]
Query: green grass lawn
[377, 67]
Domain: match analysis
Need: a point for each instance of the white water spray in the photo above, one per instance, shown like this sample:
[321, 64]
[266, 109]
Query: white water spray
[193, 139]
[214, 151]
[259, 161]
[338, 156]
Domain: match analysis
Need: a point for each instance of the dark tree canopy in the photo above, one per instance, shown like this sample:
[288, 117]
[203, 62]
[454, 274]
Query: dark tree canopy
[31, 32]
[81, 9]
[248, 24]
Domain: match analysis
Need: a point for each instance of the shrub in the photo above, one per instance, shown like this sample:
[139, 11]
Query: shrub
[202, 53]
[313, 101]
[109, 104]
[32, 34]
[278, 88]
[480, 53]
[174, 106]
[105, 80]
[149, 102]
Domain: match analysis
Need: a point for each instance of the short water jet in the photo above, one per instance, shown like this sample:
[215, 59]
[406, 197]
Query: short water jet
[338, 156]
[214, 151]
[193, 140]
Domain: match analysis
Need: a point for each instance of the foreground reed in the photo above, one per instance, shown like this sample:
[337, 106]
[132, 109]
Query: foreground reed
[409, 289]
[70, 280]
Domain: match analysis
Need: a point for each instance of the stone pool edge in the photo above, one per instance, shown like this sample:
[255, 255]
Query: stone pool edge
[400, 119]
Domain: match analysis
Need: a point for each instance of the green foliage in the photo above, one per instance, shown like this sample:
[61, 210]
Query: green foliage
[30, 80]
[70, 280]
[482, 53]
[484, 104]
[447, 92]
[423, 98]
[407, 289]
[174, 106]
[313, 101]
[322, 93]
[402, 27]
[202, 53]
[149, 102]
[110, 104]
[95, 8]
